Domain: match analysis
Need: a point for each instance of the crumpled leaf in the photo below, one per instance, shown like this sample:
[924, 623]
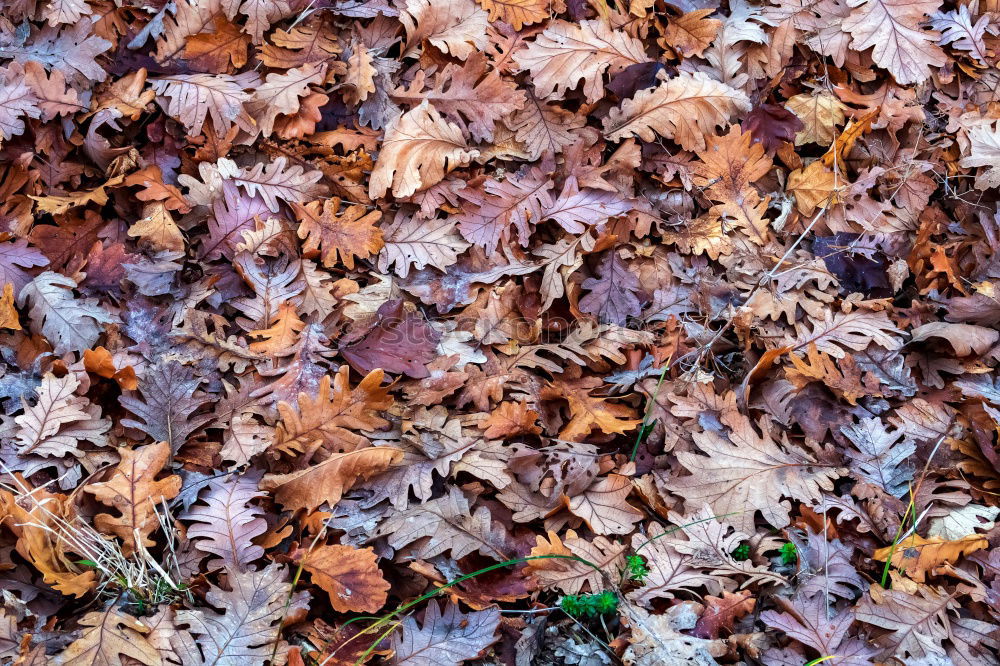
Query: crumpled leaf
[350, 234]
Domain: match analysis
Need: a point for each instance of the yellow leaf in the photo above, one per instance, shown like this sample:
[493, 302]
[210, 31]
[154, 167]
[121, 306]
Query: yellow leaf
[280, 338]
[158, 229]
[518, 13]
[820, 113]
[813, 186]
[917, 556]
[8, 313]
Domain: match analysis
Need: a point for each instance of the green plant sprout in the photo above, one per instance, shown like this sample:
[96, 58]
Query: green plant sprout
[635, 567]
[789, 554]
[742, 552]
[589, 606]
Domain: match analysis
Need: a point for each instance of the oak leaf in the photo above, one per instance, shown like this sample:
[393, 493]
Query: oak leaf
[192, 98]
[746, 471]
[810, 622]
[884, 458]
[472, 96]
[15, 258]
[614, 294]
[279, 95]
[814, 186]
[396, 339]
[544, 128]
[349, 575]
[226, 523]
[170, 398]
[916, 618]
[577, 208]
[518, 13]
[432, 444]
[892, 27]
[326, 482]
[729, 167]
[509, 419]
[216, 51]
[136, 494]
[721, 612]
[567, 53]
[419, 149]
[572, 576]
[589, 412]
[69, 323]
[107, 637]
[604, 508]
[247, 630]
[691, 33]
[964, 338]
[311, 41]
[329, 419]
[34, 519]
[60, 420]
[279, 340]
[838, 331]
[458, 29]
[670, 571]
[684, 108]
[157, 229]
[821, 113]
[843, 377]
[518, 201]
[447, 524]
[984, 147]
[274, 181]
[918, 556]
[451, 637]
[349, 233]
[16, 100]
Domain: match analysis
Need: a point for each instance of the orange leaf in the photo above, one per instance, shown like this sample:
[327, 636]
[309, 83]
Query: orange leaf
[917, 555]
[213, 51]
[327, 481]
[329, 419]
[349, 575]
[589, 412]
[509, 419]
[279, 339]
[8, 313]
[134, 491]
[351, 233]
